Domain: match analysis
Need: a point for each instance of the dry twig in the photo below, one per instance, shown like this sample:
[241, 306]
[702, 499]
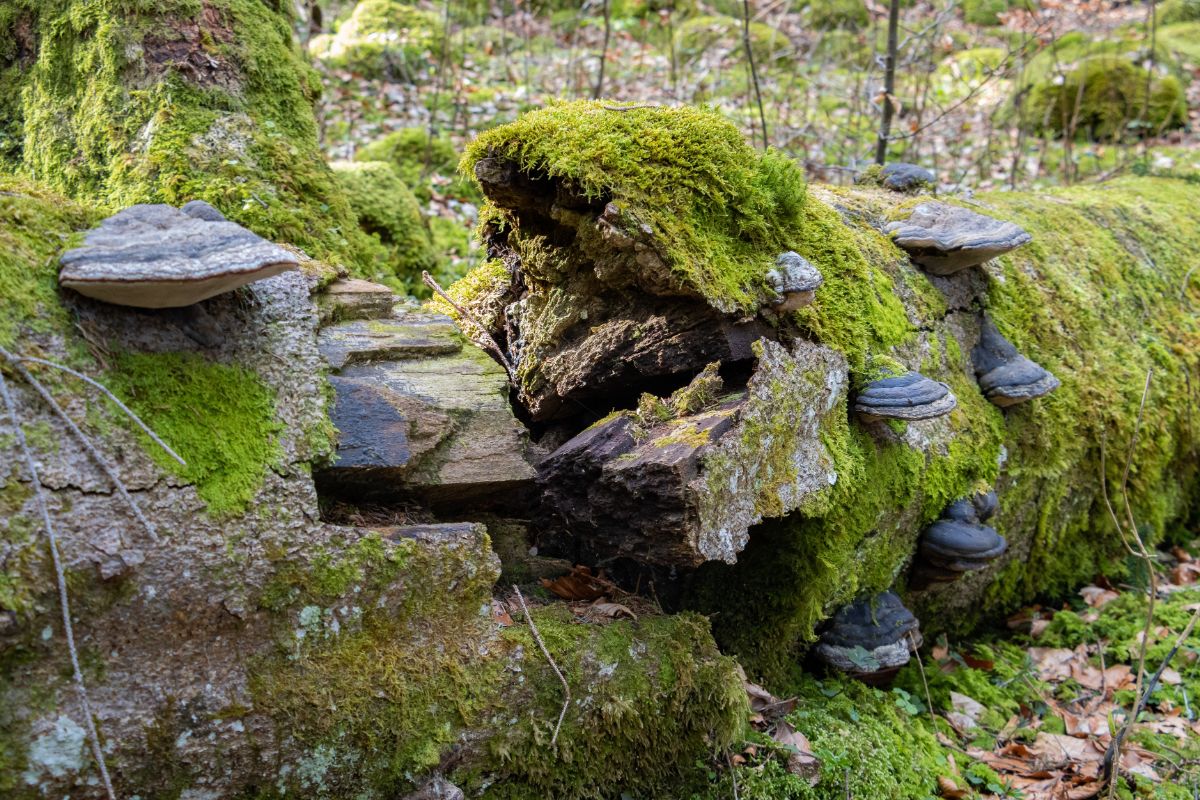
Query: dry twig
[432, 283]
[60, 576]
[537, 637]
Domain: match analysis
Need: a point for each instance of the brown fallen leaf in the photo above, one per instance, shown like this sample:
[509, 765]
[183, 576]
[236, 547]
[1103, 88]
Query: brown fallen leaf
[948, 788]
[763, 702]
[612, 610]
[1096, 597]
[578, 584]
[801, 762]
[500, 614]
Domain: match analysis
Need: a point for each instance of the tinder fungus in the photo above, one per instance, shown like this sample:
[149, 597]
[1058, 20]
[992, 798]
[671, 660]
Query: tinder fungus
[910, 396]
[959, 542]
[795, 281]
[947, 239]
[1005, 376]
[158, 256]
[871, 638]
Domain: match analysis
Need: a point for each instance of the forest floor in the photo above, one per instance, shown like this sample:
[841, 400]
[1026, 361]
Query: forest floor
[1028, 711]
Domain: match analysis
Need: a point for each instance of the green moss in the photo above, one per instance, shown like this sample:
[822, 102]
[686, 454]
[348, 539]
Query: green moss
[415, 156]
[115, 111]
[722, 210]
[702, 34]
[608, 743]
[389, 212]
[382, 38]
[830, 14]
[1175, 11]
[987, 12]
[35, 226]
[219, 418]
[1105, 99]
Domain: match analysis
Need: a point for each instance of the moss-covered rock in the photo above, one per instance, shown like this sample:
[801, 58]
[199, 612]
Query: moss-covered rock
[171, 104]
[382, 38]
[389, 212]
[409, 151]
[1106, 99]
[1175, 11]
[835, 14]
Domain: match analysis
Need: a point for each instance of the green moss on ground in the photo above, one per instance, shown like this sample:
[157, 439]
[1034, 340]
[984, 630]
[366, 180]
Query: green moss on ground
[114, 109]
[220, 418]
[722, 210]
[389, 213]
[1176, 11]
[834, 14]
[383, 38]
[1105, 99]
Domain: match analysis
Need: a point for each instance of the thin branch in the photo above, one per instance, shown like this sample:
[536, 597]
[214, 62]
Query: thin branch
[136, 419]
[762, 117]
[63, 599]
[537, 637]
[912, 639]
[432, 283]
[118, 484]
[599, 90]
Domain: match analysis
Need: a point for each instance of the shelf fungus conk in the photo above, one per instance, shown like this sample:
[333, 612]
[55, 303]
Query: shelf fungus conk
[871, 638]
[959, 542]
[1005, 376]
[947, 239]
[795, 281]
[159, 256]
[910, 397]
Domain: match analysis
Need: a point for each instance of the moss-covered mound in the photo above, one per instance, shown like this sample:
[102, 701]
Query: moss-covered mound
[382, 39]
[170, 104]
[1175, 11]
[409, 150]
[702, 34]
[834, 14]
[1106, 99]
[722, 210]
[390, 213]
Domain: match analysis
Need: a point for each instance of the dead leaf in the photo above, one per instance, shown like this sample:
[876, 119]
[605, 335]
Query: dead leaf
[1096, 597]
[578, 584]
[801, 762]
[500, 614]
[612, 610]
[948, 788]
[762, 701]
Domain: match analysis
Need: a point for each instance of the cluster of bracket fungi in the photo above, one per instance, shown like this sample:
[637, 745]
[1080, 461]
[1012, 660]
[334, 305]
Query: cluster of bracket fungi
[874, 636]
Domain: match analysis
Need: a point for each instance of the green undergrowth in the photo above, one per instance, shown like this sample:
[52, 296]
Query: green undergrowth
[114, 110]
[722, 210]
[383, 38]
[391, 215]
[871, 743]
[220, 418]
[415, 156]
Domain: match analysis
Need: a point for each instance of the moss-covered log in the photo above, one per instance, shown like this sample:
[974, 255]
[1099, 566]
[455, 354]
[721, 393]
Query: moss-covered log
[602, 216]
[117, 102]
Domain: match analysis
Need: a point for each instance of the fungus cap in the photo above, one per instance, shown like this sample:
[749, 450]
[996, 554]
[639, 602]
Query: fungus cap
[158, 256]
[795, 280]
[910, 396]
[946, 239]
[880, 625]
[1005, 376]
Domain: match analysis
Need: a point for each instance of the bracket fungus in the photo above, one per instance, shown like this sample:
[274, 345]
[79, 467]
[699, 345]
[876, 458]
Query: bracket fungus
[795, 280]
[1005, 376]
[959, 542]
[947, 239]
[901, 176]
[158, 256]
[909, 397]
[871, 638]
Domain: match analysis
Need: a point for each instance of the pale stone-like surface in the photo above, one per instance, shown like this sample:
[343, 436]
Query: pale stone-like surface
[420, 411]
[354, 298]
[945, 239]
[158, 256]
